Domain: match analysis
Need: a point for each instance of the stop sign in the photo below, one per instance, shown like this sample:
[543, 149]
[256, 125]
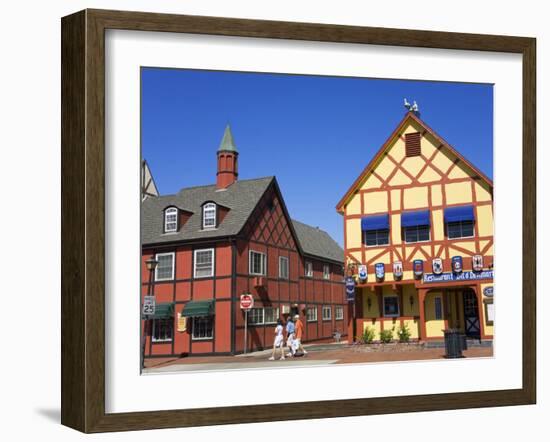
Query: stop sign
[247, 301]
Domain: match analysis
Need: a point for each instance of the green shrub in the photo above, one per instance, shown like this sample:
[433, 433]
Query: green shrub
[386, 336]
[368, 335]
[404, 333]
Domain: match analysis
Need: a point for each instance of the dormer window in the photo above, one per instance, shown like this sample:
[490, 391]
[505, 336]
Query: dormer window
[171, 220]
[209, 216]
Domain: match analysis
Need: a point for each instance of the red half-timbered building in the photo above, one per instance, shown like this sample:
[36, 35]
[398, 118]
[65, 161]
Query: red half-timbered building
[216, 242]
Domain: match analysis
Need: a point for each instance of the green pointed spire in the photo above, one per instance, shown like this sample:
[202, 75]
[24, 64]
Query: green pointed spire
[227, 143]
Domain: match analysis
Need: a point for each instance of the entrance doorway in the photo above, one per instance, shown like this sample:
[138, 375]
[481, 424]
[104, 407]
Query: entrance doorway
[471, 314]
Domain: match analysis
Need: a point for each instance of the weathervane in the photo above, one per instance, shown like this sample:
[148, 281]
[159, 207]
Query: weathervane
[411, 107]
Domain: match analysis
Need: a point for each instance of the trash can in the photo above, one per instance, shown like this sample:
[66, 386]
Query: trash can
[454, 343]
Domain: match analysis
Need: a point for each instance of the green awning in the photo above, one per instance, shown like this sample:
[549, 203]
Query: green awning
[198, 308]
[163, 310]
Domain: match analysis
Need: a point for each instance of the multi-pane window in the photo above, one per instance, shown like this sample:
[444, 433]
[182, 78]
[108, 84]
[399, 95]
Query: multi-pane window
[327, 312]
[163, 330]
[311, 314]
[203, 327]
[339, 313]
[391, 306]
[256, 316]
[309, 269]
[171, 220]
[379, 237]
[165, 267]
[209, 216]
[263, 315]
[460, 229]
[283, 267]
[326, 271]
[204, 263]
[271, 314]
[416, 233]
[256, 263]
[438, 308]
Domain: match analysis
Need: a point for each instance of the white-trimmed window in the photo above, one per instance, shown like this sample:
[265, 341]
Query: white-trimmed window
[309, 269]
[171, 220]
[203, 327]
[327, 312]
[163, 330]
[311, 314]
[256, 263]
[209, 216]
[204, 263]
[164, 271]
[326, 271]
[271, 314]
[391, 306]
[283, 267]
[256, 316]
[339, 313]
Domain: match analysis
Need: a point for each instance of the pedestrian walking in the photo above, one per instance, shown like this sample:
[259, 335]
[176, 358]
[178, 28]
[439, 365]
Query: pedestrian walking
[290, 337]
[298, 332]
[278, 341]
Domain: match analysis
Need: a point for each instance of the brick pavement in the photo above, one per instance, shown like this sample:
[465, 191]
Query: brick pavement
[340, 354]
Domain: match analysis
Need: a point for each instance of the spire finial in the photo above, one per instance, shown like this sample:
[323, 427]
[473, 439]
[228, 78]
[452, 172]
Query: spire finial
[227, 143]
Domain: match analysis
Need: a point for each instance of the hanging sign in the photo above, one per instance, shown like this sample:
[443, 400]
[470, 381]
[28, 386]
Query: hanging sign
[181, 323]
[437, 266]
[457, 264]
[398, 269]
[379, 270]
[362, 273]
[477, 263]
[350, 288]
[488, 291]
[418, 267]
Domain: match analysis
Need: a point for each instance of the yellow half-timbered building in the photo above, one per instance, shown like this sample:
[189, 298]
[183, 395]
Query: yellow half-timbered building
[418, 233]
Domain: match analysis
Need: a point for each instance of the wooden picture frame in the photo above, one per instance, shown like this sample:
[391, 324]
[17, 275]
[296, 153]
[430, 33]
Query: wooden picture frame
[83, 220]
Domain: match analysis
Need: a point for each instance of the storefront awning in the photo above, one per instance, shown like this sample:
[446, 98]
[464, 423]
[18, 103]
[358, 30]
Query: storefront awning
[163, 310]
[417, 218]
[198, 308]
[377, 222]
[460, 213]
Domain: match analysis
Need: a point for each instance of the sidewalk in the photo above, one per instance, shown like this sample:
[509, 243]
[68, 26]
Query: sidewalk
[318, 354]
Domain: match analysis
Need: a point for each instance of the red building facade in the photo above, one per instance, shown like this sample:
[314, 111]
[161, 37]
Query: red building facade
[214, 243]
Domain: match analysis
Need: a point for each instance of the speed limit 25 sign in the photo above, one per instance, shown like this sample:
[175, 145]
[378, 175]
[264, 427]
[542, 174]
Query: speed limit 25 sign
[148, 305]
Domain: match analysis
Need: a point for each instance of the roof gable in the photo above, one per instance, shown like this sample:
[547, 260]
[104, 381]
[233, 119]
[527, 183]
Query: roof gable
[385, 167]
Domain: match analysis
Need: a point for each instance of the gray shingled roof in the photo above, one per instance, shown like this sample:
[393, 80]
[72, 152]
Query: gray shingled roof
[241, 198]
[317, 242]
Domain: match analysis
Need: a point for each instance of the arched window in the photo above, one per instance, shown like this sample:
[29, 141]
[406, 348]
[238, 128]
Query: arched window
[209, 216]
[171, 220]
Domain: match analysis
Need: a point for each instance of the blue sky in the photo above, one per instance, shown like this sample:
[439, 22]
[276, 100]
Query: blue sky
[315, 134]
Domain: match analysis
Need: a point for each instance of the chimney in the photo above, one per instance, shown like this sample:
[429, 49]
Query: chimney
[227, 161]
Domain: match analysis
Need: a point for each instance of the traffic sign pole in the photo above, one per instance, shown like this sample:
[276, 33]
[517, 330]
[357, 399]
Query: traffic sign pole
[245, 329]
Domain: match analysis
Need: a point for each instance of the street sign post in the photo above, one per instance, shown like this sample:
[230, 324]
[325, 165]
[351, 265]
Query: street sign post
[247, 303]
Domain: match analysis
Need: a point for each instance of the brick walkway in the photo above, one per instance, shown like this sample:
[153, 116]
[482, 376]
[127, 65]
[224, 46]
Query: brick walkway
[340, 354]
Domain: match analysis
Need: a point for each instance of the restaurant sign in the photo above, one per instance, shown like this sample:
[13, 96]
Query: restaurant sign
[464, 276]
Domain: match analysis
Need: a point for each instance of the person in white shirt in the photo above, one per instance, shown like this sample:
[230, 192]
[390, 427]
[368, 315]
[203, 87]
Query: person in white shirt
[278, 341]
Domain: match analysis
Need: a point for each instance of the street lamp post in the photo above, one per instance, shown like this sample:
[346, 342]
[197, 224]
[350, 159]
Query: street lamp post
[151, 264]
